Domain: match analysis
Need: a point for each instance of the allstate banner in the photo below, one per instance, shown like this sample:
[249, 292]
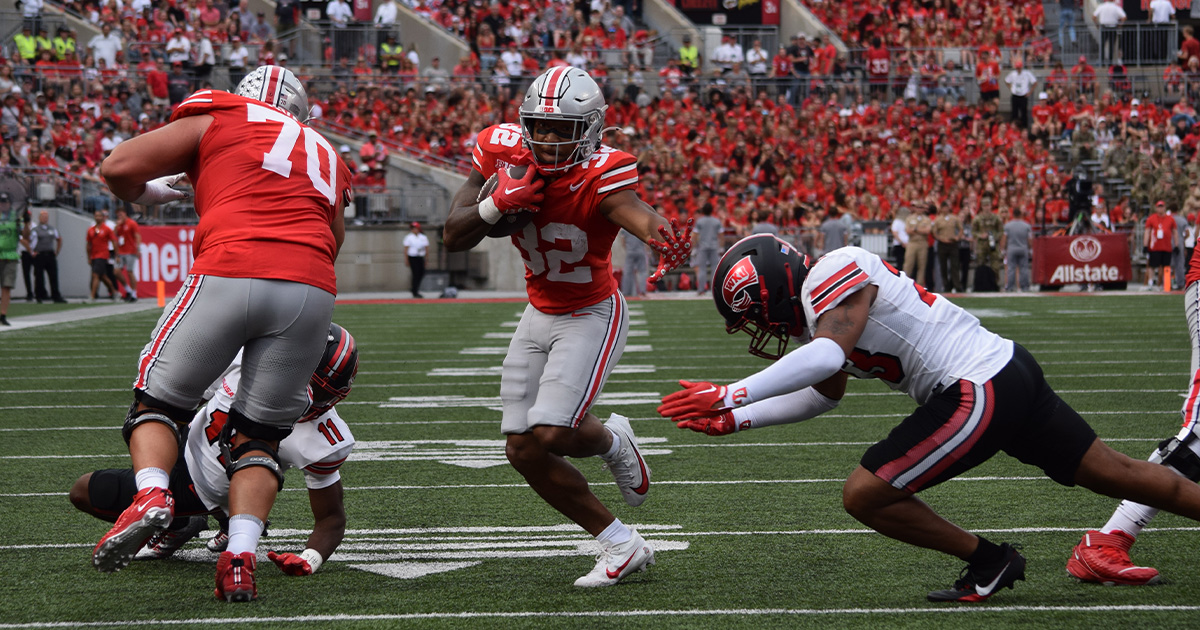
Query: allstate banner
[167, 256]
[1090, 258]
[721, 12]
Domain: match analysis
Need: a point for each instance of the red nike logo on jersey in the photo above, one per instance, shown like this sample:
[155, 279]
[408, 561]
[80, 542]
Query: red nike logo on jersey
[580, 314]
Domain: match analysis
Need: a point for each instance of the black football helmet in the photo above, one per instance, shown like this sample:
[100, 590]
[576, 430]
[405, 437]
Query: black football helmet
[334, 376]
[757, 289]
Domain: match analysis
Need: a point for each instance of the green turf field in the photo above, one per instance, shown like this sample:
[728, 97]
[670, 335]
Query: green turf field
[749, 528]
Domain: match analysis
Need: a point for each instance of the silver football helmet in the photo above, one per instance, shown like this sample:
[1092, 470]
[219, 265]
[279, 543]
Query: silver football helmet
[278, 87]
[564, 93]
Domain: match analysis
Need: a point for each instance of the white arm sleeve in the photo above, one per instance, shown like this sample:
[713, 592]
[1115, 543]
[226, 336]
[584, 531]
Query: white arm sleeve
[794, 407]
[803, 367]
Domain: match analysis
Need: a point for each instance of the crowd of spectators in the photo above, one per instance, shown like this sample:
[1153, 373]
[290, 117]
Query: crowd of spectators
[916, 24]
[748, 140]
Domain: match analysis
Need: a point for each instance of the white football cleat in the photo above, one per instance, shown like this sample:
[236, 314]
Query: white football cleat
[627, 466]
[219, 542]
[168, 541]
[617, 561]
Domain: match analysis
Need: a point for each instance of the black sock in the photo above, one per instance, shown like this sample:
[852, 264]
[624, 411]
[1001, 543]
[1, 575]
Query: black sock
[986, 553]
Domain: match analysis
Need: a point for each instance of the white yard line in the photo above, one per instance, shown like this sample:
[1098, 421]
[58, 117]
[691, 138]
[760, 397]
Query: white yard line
[593, 614]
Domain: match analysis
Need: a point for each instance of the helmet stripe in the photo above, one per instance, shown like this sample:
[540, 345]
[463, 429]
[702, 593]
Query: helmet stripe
[272, 84]
[339, 356]
[550, 89]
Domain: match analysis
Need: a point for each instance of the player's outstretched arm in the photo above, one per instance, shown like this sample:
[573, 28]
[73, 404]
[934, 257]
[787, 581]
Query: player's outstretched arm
[166, 151]
[329, 527]
[627, 210]
[813, 365]
[807, 403]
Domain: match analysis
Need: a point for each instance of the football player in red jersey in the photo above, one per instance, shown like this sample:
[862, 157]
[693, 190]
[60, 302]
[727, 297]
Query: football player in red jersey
[573, 331]
[1102, 556]
[270, 193]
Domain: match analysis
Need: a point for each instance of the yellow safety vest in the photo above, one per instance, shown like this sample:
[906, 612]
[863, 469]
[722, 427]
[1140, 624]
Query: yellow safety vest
[389, 49]
[43, 43]
[689, 56]
[64, 48]
[26, 46]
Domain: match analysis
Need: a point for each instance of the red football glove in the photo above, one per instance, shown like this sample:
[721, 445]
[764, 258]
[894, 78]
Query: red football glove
[722, 425]
[291, 563]
[674, 250]
[695, 401]
[518, 195]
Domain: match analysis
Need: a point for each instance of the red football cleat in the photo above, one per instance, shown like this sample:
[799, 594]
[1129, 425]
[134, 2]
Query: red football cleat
[1104, 559]
[152, 510]
[235, 577]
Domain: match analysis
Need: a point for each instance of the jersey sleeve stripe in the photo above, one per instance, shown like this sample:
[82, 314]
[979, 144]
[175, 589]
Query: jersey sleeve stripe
[623, 169]
[614, 186]
[325, 468]
[836, 277]
[830, 296]
[478, 165]
[194, 100]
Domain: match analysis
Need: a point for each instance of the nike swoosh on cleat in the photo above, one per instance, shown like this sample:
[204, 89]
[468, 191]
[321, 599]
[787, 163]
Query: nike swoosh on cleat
[509, 191]
[614, 575]
[987, 589]
[645, 487]
[580, 314]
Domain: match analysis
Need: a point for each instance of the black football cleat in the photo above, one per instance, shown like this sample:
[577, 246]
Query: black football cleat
[977, 583]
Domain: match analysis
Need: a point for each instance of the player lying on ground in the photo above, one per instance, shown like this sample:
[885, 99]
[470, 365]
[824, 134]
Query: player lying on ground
[319, 445]
[978, 394]
[563, 196]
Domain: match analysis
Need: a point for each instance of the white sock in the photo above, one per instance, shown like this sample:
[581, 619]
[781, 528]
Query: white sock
[152, 477]
[616, 533]
[616, 445]
[244, 532]
[1130, 518]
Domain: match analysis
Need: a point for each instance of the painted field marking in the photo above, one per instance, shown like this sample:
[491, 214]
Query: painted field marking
[243, 620]
[502, 350]
[464, 453]
[493, 402]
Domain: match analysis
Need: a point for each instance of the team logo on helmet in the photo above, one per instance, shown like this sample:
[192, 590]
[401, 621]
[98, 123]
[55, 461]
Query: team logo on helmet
[735, 290]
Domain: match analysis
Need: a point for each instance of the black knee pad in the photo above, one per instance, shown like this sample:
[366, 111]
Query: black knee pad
[236, 459]
[178, 414]
[1177, 454]
[257, 430]
[136, 417]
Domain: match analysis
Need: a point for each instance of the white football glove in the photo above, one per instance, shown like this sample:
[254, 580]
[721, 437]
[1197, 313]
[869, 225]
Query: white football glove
[159, 191]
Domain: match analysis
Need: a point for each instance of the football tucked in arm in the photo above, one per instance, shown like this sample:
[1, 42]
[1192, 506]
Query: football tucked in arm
[508, 224]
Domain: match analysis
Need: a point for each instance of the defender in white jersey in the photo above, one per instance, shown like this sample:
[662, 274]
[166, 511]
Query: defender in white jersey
[319, 444]
[979, 394]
